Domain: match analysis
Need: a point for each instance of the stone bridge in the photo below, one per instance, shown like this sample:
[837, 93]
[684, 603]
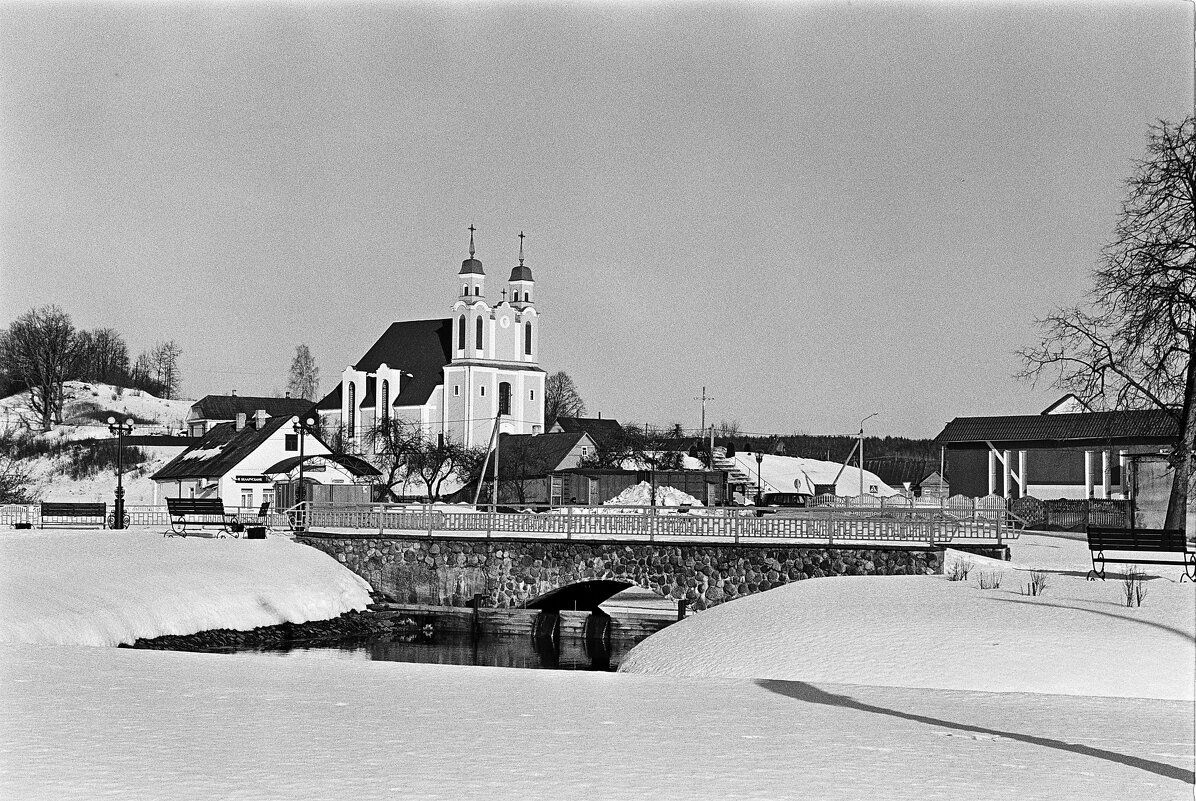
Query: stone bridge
[448, 571]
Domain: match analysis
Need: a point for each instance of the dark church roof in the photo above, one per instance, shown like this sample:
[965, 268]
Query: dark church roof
[521, 273]
[471, 266]
[227, 407]
[1129, 426]
[420, 347]
[228, 447]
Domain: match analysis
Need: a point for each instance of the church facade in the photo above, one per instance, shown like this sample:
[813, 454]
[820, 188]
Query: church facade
[458, 376]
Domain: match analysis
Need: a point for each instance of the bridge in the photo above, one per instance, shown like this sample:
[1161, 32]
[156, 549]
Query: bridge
[706, 556]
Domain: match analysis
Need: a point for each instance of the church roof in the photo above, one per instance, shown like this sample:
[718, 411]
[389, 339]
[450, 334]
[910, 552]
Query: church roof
[521, 272]
[331, 401]
[471, 266]
[420, 347]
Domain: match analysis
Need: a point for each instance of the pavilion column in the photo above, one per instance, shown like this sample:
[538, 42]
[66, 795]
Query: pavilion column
[1007, 482]
[1088, 460]
[1023, 481]
[992, 472]
[1106, 470]
[1123, 461]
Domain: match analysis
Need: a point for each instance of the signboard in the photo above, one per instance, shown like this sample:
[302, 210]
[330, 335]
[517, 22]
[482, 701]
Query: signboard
[251, 480]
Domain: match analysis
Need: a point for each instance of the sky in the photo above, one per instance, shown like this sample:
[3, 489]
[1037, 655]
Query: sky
[816, 211]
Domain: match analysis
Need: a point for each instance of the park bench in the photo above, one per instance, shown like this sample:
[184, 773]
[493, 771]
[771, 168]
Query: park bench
[58, 513]
[1139, 540]
[198, 513]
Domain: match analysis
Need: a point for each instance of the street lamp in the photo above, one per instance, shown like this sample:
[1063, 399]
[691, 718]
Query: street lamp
[301, 427]
[118, 507]
[759, 478]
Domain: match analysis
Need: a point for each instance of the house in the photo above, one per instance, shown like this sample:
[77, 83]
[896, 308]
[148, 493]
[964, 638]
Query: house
[459, 376]
[601, 431]
[248, 461]
[530, 466]
[211, 410]
[1059, 453]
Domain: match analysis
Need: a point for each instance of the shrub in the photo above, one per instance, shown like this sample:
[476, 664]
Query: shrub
[990, 579]
[88, 459]
[1133, 583]
[1037, 583]
[959, 570]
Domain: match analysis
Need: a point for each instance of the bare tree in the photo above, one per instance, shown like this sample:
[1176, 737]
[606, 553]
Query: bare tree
[40, 349]
[165, 360]
[561, 398]
[1130, 345]
[304, 380]
[390, 444]
[103, 356]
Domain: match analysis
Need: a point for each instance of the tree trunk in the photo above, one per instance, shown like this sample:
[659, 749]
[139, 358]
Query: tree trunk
[1181, 461]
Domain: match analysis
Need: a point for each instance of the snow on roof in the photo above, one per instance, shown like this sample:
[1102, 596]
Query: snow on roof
[798, 474]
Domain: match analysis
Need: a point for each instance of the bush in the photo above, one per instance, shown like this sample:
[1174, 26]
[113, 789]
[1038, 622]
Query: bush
[89, 459]
[1133, 583]
[1037, 583]
[959, 570]
[990, 579]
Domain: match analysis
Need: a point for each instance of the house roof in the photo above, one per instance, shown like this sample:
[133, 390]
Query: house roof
[600, 429]
[1073, 428]
[354, 464]
[422, 348]
[227, 407]
[531, 455]
[220, 450]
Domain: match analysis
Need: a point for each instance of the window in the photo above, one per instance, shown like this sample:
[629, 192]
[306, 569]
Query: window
[555, 497]
[385, 400]
[461, 332]
[527, 338]
[483, 391]
[531, 394]
[456, 390]
[504, 398]
[292, 443]
[478, 336]
[351, 421]
[477, 290]
[585, 451]
[246, 498]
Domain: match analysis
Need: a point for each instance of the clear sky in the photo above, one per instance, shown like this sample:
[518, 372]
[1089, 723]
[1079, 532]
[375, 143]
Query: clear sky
[816, 210]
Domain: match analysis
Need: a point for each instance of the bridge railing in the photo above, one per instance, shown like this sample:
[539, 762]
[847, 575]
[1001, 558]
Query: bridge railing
[907, 524]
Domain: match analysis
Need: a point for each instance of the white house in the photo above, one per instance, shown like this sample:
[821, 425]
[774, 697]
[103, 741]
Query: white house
[240, 462]
[455, 376]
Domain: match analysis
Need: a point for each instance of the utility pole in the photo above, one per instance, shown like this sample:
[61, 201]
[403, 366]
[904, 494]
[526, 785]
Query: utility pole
[706, 397]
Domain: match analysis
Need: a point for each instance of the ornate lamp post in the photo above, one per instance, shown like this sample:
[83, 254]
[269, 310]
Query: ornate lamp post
[118, 507]
[759, 478]
[301, 427]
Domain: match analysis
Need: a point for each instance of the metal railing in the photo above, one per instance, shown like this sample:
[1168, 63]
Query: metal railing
[823, 525]
[144, 515]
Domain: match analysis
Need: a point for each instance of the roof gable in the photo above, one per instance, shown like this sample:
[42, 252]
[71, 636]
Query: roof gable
[529, 455]
[421, 348]
[220, 450]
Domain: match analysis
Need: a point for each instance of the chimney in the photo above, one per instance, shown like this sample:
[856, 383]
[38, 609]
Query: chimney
[240, 424]
[259, 419]
[234, 393]
[288, 394]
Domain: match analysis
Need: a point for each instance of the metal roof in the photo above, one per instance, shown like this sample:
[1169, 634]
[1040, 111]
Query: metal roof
[1125, 426]
[220, 450]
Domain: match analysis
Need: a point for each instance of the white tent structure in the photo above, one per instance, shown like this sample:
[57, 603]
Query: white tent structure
[796, 474]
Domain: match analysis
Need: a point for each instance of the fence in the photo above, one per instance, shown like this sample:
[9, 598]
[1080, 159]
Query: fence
[30, 513]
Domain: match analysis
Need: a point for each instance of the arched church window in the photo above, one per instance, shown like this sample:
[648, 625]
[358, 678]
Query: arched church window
[504, 398]
[385, 400]
[477, 290]
[527, 338]
[351, 422]
[478, 336]
[461, 332]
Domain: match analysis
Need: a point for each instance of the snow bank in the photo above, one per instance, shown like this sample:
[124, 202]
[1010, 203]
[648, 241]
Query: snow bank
[641, 495]
[112, 587]
[925, 631]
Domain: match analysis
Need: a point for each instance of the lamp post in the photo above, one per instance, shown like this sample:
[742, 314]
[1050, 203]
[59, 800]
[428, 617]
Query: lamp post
[300, 427]
[118, 506]
[759, 477]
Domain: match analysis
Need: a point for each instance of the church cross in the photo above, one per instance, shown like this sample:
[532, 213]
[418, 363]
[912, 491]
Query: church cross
[471, 230]
[504, 294]
[521, 247]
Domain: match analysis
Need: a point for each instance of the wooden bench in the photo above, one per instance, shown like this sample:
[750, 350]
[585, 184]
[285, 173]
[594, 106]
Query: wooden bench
[1139, 540]
[198, 513]
[56, 513]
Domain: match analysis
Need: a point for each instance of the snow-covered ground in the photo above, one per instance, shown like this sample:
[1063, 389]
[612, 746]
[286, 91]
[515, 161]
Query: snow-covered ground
[875, 711]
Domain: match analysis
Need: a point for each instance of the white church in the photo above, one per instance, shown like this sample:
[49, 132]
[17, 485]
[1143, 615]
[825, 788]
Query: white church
[457, 376]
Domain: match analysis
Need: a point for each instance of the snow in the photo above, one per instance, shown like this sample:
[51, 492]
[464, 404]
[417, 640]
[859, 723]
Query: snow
[838, 688]
[799, 474]
[111, 587]
[929, 632]
[641, 495]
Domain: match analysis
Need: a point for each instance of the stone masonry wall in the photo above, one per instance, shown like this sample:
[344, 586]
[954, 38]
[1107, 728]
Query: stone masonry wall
[449, 572]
